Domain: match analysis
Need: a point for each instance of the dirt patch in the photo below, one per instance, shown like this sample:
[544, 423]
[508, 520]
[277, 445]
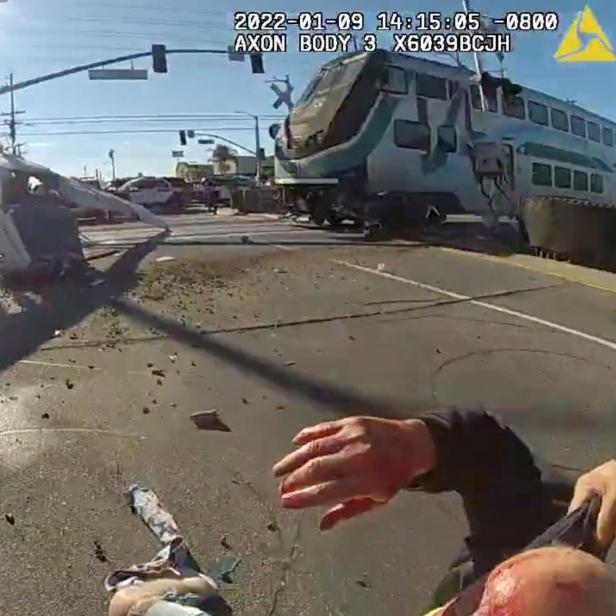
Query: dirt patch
[180, 278]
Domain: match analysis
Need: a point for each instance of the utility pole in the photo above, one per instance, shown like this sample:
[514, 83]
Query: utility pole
[12, 121]
[113, 168]
[257, 144]
[478, 68]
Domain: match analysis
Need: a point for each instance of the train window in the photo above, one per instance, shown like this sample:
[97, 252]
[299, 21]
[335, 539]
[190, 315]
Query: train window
[560, 121]
[542, 174]
[538, 113]
[394, 80]
[593, 132]
[453, 87]
[514, 107]
[447, 139]
[491, 101]
[608, 136]
[578, 126]
[562, 177]
[415, 135]
[431, 86]
[596, 183]
[580, 181]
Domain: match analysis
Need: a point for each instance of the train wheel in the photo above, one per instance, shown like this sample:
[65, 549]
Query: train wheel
[319, 213]
[335, 218]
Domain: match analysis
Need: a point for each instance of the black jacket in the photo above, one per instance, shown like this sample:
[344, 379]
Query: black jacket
[509, 495]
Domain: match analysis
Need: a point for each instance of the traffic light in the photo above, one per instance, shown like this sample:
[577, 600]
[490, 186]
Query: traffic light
[183, 137]
[256, 61]
[159, 58]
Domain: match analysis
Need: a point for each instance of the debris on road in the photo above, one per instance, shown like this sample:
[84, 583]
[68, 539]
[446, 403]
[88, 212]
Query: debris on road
[245, 401]
[225, 568]
[160, 373]
[172, 358]
[289, 363]
[272, 527]
[45, 416]
[380, 267]
[362, 583]
[144, 503]
[58, 333]
[159, 381]
[164, 259]
[225, 543]
[146, 410]
[246, 239]
[150, 364]
[69, 384]
[10, 518]
[99, 552]
[209, 420]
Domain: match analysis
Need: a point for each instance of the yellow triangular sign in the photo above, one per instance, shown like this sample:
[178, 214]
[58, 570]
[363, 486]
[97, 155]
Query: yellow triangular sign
[585, 41]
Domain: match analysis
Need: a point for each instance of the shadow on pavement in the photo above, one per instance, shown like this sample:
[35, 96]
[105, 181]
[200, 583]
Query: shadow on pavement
[65, 305]
[334, 398]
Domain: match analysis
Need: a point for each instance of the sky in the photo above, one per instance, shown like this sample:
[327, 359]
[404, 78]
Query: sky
[71, 123]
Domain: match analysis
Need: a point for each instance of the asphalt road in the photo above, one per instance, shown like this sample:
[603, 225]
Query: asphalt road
[276, 326]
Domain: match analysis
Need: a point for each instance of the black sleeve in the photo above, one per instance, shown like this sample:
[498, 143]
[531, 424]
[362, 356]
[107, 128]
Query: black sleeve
[509, 495]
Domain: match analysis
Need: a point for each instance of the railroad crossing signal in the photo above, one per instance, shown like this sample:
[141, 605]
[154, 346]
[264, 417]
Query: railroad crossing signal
[284, 96]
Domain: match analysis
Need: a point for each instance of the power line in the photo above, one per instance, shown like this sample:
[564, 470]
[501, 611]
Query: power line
[135, 131]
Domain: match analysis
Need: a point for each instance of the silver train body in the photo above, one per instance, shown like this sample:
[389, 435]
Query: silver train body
[383, 124]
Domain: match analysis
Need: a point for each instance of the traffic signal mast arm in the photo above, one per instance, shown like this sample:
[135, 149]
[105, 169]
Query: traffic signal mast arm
[233, 143]
[85, 67]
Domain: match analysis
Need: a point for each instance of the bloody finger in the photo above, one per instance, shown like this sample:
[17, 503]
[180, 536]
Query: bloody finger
[319, 431]
[309, 451]
[346, 511]
[316, 471]
[328, 493]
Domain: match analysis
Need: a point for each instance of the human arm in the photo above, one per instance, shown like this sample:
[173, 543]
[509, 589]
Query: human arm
[356, 464]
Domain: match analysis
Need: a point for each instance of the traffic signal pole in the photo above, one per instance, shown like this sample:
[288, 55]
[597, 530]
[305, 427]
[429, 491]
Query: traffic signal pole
[86, 67]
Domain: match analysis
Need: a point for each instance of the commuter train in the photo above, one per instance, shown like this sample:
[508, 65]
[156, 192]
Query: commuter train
[403, 129]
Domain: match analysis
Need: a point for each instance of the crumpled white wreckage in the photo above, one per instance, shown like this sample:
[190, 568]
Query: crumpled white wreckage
[37, 226]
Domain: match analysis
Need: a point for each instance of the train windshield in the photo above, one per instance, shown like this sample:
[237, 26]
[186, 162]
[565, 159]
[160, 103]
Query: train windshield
[335, 76]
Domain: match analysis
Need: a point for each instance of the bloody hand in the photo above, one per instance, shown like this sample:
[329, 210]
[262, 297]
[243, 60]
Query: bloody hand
[354, 465]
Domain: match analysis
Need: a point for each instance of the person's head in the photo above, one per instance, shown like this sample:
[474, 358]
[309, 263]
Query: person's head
[554, 581]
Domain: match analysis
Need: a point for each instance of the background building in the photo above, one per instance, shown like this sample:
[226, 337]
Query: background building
[194, 172]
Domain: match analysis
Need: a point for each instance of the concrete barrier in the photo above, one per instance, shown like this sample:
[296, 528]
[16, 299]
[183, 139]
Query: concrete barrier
[583, 232]
[267, 199]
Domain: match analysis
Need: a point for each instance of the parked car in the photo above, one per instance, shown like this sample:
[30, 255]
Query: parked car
[182, 189]
[211, 193]
[151, 193]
